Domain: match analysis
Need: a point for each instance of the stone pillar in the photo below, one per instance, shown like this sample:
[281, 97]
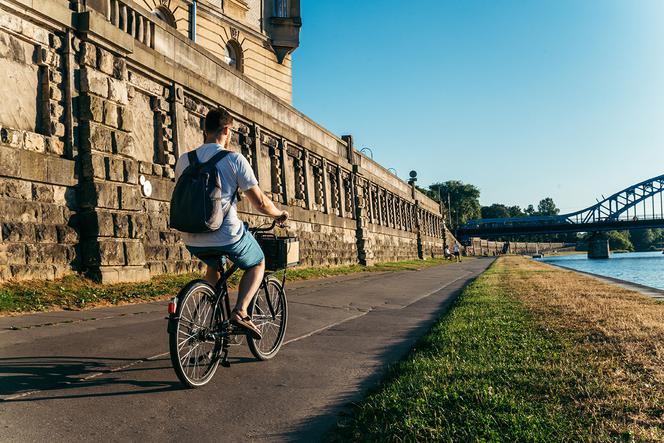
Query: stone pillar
[598, 246]
[365, 254]
[112, 217]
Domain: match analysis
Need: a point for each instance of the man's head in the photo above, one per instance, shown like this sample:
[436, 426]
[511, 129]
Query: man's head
[218, 123]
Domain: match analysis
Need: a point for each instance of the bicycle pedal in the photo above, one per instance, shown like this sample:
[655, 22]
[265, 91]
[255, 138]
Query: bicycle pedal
[225, 363]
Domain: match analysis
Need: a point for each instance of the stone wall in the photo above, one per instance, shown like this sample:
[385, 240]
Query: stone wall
[88, 153]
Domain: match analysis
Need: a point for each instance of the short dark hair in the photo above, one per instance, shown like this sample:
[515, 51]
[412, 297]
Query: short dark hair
[217, 119]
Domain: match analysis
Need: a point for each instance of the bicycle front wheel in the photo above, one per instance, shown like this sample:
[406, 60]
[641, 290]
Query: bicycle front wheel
[193, 344]
[269, 312]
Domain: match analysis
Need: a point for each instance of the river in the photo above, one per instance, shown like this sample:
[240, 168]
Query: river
[645, 268]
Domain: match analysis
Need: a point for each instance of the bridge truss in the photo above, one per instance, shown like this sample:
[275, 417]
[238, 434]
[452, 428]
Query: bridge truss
[638, 206]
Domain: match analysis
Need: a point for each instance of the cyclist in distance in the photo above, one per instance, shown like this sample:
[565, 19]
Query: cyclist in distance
[231, 239]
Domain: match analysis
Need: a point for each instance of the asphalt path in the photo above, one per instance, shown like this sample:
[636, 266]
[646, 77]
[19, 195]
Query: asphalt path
[105, 374]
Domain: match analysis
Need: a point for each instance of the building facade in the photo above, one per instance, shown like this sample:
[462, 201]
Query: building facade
[100, 99]
[255, 37]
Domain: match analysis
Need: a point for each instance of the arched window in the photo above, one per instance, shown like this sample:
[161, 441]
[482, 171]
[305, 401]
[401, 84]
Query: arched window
[164, 14]
[233, 56]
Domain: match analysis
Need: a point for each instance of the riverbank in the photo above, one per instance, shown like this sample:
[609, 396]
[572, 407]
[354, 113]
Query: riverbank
[529, 352]
[75, 292]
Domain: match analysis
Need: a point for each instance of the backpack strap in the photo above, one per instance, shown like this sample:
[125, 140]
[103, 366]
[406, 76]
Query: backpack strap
[219, 156]
[193, 158]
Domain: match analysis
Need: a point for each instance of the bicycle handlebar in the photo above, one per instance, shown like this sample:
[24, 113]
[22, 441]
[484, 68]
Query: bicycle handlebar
[272, 226]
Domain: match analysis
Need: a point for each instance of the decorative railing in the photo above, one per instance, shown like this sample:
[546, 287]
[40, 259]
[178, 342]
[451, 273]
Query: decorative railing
[131, 21]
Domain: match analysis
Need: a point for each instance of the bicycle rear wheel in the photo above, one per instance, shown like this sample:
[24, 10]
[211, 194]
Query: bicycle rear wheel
[193, 346]
[269, 312]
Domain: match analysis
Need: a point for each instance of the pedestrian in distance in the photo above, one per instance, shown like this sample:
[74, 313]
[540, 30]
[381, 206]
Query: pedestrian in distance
[457, 252]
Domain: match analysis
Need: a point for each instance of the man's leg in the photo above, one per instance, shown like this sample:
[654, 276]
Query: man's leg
[212, 275]
[249, 284]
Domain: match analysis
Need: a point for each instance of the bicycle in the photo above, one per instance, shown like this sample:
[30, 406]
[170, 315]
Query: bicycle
[199, 327]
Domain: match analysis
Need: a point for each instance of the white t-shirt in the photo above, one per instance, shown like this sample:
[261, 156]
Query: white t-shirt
[236, 173]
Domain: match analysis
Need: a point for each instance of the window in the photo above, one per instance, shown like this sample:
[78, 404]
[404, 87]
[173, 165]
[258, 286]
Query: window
[281, 8]
[233, 55]
[164, 14]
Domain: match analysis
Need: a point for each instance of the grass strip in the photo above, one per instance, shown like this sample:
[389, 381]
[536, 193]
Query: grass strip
[77, 292]
[494, 369]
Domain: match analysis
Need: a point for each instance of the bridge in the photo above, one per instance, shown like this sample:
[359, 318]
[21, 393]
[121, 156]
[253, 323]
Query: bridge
[640, 206]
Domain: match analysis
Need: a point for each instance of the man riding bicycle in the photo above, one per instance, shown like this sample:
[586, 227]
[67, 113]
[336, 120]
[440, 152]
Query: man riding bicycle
[231, 239]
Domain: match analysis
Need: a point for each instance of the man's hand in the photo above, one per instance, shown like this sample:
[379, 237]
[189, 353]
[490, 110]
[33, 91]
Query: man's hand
[281, 219]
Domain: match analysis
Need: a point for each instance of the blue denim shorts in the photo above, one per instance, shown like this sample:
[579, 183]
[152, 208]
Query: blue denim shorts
[245, 252]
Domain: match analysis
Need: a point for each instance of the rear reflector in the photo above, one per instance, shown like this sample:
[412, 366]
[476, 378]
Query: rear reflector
[172, 306]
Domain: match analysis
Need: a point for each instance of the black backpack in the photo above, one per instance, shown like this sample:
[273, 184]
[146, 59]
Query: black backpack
[196, 200]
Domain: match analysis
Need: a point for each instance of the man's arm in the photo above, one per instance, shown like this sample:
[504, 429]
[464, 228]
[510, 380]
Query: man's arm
[264, 205]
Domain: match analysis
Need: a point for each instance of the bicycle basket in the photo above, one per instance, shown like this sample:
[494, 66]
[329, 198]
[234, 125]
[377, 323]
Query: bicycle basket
[280, 252]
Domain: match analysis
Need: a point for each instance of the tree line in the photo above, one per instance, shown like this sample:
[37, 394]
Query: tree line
[461, 203]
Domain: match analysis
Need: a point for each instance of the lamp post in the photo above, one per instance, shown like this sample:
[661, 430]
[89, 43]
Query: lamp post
[367, 149]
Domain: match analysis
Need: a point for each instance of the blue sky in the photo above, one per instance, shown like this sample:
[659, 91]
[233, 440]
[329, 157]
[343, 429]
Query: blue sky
[525, 99]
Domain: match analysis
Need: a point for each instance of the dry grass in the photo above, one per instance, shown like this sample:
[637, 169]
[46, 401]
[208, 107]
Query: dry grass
[621, 331]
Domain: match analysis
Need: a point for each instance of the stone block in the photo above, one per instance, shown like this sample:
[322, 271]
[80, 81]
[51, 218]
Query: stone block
[35, 33]
[18, 189]
[34, 142]
[56, 110]
[42, 193]
[88, 54]
[120, 71]
[33, 272]
[134, 253]
[144, 168]
[169, 173]
[111, 114]
[107, 195]
[123, 143]
[126, 119]
[11, 22]
[55, 146]
[54, 93]
[12, 254]
[96, 137]
[137, 225]
[20, 212]
[117, 91]
[157, 170]
[54, 76]
[115, 168]
[111, 253]
[61, 171]
[121, 225]
[66, 235]
[131, 171]
[130, 198]
[46, 253]
[98, 166]
[103, 223]
[18, 232]
[91, 108]
[94, 82]
[53, 214]
[57, 129]
[11, 137]
[104, 61]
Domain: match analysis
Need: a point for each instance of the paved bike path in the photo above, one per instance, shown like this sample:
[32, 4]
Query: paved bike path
[104, 373]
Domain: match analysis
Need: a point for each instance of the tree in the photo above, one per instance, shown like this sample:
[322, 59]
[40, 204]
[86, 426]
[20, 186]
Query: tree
[496, 210]
[464, 200]
[547, 207]
[643, 239]
[530, 210]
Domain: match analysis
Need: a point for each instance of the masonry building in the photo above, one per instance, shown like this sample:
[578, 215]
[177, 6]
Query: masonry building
[100, 97]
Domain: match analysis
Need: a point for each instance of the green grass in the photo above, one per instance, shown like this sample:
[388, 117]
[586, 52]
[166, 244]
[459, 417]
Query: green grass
[77, 292]
[487, 371]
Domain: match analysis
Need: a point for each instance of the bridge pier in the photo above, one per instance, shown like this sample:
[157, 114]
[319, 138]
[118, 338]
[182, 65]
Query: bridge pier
[598, 246]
